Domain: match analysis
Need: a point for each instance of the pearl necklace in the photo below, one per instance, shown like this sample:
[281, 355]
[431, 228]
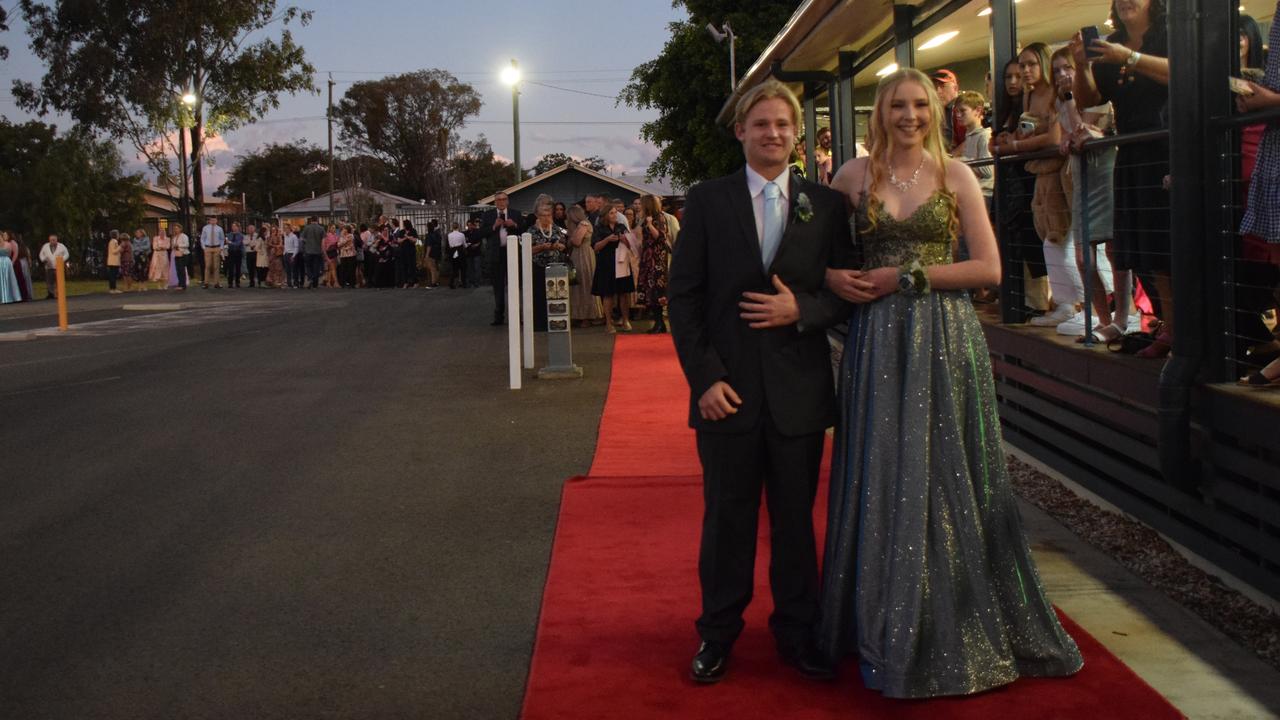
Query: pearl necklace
[906, 185]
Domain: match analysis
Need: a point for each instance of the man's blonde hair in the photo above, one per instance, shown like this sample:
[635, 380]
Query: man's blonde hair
[767, 90]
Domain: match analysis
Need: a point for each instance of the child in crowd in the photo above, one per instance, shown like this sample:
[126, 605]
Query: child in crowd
[971, 108]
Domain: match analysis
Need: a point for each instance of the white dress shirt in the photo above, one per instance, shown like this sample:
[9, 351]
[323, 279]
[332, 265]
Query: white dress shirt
[457, 239]
[755, 185]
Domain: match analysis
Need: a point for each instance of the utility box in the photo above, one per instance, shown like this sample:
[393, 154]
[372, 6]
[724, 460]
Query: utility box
[559, 335]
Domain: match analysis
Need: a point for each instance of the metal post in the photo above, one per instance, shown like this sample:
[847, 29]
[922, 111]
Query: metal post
[733, 59]
[1004, 47]
[515, 124]
[526, 297]
[329, 115]
[183, 206]
[513, 303]
[904, 51]
[848, 120]
[1085, 243]
[810, 132]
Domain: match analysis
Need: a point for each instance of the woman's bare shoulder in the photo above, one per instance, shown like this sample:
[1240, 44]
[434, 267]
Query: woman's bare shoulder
[849, 179]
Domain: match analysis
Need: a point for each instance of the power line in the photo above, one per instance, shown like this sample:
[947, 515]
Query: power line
[568, 90]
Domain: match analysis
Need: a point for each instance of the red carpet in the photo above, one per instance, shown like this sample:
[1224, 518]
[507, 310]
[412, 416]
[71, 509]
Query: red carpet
[616, 632]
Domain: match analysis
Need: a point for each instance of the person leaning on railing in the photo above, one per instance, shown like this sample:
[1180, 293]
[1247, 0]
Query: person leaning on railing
[1131, 70]
[1022, 245]
[1262, 213]
[1093, 170]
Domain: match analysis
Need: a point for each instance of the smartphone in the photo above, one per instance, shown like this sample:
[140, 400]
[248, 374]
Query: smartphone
[1240, 87]
[1088, 35]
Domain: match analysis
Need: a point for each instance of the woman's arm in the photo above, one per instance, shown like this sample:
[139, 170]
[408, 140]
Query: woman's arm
[1152, 66]
[982, 269]
[1084, 87]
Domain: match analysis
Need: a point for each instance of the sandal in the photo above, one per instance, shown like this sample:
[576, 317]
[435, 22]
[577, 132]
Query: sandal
[611, 329]
[1158, 349]
[1257, 379]
[1104, 334]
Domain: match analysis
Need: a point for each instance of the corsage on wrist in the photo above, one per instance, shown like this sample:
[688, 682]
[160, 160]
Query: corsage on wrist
[913, 279]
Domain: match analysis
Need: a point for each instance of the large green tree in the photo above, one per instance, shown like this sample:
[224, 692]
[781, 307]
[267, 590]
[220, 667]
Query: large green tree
[277, 174]
[4, 27]
[478, 173]
[551, 161]
[411, 122]
[121, 66]
[688, 83]
[68, 184]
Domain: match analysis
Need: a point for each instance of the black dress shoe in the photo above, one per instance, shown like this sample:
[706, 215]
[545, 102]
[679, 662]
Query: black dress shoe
[710, 663]
[808, 662]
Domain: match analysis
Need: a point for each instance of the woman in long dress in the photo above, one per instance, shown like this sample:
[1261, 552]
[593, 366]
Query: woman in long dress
[159, 270]
[928, 577]
[655, 258]
[275, 257]
[584, 307]
[10, 291]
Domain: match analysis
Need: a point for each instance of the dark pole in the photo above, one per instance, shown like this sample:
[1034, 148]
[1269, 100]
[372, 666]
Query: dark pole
[1004, 45]
[329, 114]
[515, 123]
[904, 53]
[182, 161]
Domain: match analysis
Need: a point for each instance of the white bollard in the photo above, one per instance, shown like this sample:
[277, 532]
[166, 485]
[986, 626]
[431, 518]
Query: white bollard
[526, 309]
[513, 306]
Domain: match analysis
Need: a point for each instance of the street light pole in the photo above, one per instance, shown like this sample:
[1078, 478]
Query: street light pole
[720, 34]
[511, 76]
[330, 116]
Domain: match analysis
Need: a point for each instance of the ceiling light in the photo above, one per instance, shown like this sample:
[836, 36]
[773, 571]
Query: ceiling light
[938, 40]
[888, 70]
[987, 10]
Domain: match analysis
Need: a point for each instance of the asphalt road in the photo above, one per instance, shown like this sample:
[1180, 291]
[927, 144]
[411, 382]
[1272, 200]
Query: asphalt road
[279, 504]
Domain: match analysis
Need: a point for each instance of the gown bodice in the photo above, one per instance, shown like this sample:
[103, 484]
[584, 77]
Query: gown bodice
[922, 236]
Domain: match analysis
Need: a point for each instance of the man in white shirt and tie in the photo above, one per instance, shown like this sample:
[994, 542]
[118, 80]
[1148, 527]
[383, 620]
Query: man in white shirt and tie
[212, 238]
[498, 225]
[748, 312]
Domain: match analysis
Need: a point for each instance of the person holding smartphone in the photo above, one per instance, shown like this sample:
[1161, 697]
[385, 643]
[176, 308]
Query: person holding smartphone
[613, 282]
[1130, 69]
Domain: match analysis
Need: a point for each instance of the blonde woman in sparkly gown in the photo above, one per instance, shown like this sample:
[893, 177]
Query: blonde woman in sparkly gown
[928, 578]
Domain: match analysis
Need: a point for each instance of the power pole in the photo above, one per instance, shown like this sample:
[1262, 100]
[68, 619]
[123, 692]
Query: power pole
[330, 116]
[515, 122]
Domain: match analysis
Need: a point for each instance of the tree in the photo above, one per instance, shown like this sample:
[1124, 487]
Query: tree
[689, 82]
[411, 122]
[477, 173]
[4, 27]
[276, 175]
[551, 161]
[68, 184]
[120, 66]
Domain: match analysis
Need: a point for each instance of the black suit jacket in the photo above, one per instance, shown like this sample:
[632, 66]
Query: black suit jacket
[787, 369]
[494, 253]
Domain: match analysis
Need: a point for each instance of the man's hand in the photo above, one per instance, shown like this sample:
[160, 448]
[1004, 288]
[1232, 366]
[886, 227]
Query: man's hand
[718, 402]
[763, 310]
[1262, 98]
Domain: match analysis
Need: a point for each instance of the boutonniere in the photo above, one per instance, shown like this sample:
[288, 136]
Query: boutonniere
[804, 208]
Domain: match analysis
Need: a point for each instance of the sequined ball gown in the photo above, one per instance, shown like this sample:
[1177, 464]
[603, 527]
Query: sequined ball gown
[928, 578]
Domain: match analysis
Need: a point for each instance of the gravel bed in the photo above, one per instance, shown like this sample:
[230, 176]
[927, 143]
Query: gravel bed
[1147, 554]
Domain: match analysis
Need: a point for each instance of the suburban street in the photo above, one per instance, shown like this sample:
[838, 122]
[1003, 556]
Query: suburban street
[277, 504]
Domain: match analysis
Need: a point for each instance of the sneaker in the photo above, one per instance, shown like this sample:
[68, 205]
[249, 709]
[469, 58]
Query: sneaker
[1074, 326]
[1059, 315]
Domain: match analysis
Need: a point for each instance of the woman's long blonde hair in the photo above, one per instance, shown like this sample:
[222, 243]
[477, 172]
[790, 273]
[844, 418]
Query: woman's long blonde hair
[882, 146]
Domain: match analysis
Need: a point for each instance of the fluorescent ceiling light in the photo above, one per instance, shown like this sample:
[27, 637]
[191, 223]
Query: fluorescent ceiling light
[890, 69]
[987, 10]
[938, 40]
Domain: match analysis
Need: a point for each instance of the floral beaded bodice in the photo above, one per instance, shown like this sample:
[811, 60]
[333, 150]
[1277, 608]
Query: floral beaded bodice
[922, 236]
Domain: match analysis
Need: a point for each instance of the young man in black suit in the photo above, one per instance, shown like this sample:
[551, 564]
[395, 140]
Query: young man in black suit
[496, 227]
[748, 312]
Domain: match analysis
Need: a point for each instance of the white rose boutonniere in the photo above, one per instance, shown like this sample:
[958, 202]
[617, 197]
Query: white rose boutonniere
[804, 208]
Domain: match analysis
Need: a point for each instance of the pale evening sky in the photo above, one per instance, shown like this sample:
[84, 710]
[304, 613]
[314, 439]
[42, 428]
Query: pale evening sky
[578, 46]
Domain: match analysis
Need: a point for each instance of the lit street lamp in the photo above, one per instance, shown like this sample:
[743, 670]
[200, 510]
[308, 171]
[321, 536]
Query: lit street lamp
[511, 76]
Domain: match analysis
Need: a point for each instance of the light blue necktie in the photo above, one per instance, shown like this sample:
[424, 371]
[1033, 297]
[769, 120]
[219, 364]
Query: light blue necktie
[772, 223]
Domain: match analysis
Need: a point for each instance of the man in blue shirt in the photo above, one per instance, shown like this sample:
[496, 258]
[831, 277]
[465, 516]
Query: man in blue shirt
[211, 241]
[235, 251]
